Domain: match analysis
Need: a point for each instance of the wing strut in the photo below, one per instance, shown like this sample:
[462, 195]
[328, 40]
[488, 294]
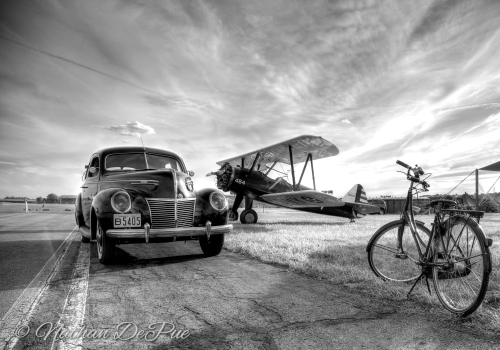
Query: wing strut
[271, 168]
[291, 163]
[309, 157]
[312, 170]
[255, 161]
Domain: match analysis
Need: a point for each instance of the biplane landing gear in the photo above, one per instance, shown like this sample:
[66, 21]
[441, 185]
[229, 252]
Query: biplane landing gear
[248, 216]
[233, 215]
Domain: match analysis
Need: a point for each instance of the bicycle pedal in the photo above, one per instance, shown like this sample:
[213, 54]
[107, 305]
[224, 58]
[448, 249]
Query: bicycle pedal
[401, 256]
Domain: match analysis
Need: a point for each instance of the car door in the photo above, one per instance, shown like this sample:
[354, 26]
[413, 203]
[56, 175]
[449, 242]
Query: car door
[90, 187]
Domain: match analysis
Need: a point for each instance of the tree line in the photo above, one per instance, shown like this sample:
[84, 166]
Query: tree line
[51, 198]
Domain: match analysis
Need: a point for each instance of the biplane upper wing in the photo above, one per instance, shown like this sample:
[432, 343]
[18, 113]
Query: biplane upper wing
[302, 199]
[301, 147]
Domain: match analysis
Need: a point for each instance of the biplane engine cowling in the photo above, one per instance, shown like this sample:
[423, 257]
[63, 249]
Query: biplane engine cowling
[224, 176]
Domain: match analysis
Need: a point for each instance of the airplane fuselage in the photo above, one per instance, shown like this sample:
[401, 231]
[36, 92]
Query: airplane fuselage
[253, 184]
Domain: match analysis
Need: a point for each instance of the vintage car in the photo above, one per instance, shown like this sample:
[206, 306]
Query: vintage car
[137, 194]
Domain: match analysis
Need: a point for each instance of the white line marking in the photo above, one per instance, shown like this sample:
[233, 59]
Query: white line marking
[20, 312]
[73, 313]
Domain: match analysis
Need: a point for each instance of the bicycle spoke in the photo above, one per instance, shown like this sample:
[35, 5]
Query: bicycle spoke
[389, 249]
[393, 254]
[461, 288]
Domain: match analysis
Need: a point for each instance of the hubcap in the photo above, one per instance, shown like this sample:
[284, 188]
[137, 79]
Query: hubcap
[249, 217]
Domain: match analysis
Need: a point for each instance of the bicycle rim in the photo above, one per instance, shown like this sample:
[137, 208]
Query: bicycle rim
[393, 263]
[461, 286]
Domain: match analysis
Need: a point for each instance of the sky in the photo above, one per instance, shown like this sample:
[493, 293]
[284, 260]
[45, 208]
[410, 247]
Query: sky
[417, 81]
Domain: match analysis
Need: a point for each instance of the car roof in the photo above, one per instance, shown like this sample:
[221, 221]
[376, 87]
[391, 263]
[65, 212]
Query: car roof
[134, 149]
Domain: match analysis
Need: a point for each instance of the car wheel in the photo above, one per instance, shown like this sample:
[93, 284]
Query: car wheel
[212, 246]
[233, 215]
[85, 239]
[248, 216]
[381, 212]
[105, 246]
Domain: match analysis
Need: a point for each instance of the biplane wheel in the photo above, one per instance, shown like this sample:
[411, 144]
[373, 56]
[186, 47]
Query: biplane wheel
[248, 216]
[233, 215]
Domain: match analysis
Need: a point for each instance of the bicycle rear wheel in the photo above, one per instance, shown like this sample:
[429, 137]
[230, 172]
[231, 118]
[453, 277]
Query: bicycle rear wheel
[461, 285]
[393, 261]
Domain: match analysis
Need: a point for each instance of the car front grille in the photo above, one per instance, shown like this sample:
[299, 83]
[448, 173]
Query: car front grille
[171, 213]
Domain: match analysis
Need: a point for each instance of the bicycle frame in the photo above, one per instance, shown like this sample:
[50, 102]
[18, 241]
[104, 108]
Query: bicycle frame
[408, 218]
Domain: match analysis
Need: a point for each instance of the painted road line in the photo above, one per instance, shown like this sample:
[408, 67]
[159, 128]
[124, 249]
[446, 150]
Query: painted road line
[20, 312]
[73, 314]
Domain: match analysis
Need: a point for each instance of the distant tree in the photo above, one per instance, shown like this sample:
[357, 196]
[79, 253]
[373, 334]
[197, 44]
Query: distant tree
[489, 205]
[39, 200]
[52, 198]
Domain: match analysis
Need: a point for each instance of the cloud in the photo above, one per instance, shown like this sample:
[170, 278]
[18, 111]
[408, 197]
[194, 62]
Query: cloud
[132, 129]
[345, 121]
[8, 163]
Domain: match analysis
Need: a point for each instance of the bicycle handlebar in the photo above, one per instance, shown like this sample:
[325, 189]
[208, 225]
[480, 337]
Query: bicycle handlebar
[403, 164]
[417, 171]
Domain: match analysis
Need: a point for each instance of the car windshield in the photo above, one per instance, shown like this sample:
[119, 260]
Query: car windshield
[137, 161]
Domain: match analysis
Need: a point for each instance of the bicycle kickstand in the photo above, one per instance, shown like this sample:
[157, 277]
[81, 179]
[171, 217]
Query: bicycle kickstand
[422, 275]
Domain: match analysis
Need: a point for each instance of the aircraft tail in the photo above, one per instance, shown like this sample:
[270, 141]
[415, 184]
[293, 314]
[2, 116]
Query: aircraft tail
[356, 195]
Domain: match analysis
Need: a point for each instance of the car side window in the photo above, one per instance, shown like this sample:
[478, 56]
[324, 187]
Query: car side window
[94, 163]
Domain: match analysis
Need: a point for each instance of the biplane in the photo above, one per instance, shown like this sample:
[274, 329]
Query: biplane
[248, 176]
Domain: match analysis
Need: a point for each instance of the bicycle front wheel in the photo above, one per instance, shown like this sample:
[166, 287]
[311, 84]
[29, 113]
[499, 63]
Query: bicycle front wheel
[393, 254]
[462, 279]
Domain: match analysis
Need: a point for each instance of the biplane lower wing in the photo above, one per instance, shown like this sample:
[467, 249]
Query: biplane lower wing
[302, 199]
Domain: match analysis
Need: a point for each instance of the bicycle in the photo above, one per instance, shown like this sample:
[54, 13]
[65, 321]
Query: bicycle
[454, 253]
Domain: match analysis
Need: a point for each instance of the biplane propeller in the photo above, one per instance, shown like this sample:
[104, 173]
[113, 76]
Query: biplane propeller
[247, 176]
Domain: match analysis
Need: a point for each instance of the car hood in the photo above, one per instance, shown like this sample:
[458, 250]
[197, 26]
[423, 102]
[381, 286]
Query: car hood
[151, 183]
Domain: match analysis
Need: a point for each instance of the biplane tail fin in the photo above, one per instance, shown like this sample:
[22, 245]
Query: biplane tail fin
[356, 194]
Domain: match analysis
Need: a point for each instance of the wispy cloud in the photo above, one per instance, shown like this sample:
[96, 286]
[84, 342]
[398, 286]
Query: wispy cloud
[132, 129]
[416, 81]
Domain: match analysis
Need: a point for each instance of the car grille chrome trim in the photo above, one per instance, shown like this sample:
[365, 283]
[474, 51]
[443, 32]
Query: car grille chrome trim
[171, 213]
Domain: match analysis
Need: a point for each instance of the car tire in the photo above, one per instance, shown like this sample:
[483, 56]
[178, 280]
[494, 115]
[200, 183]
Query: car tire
[233, 215]
[85, 239]
[105, 246]
[212, 246]
[248, 216]
[79, 219]
[381, 212]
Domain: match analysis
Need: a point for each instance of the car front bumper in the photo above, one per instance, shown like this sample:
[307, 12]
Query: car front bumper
[147, 232]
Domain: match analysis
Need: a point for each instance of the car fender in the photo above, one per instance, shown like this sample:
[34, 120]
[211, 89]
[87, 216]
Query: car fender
[205, 211]
[101, 206]
[79, 211]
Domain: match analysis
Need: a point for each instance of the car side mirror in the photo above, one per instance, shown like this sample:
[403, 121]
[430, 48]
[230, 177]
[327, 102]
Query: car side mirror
[190, 173]
[93, 170]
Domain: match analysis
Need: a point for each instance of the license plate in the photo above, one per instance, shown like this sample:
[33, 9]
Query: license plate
[126, 220]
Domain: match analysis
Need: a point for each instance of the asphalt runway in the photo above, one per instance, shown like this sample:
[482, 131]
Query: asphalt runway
[27, 241]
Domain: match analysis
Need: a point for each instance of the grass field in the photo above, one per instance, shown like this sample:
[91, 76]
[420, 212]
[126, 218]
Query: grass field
[6, 207]
[333, 249]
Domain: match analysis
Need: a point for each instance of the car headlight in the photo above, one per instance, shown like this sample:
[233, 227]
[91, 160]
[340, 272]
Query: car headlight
[218, 201]
[120, 201]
